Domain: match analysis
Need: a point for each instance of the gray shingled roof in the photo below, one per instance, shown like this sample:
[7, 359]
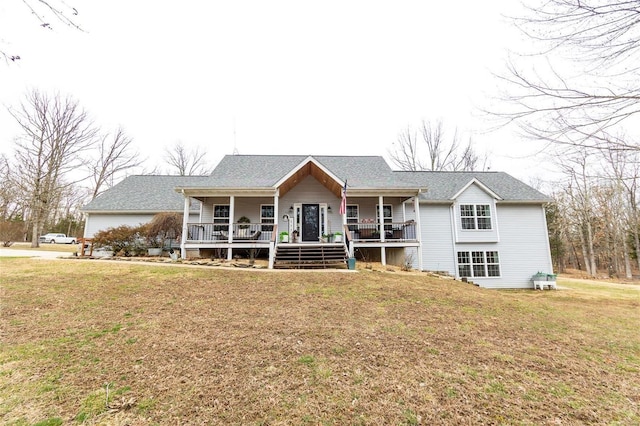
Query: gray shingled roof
[264, 171]
[444, 185]
[148, 193]
[157, 193]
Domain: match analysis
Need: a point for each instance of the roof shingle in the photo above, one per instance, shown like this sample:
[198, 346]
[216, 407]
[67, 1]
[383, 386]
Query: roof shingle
[157, 193]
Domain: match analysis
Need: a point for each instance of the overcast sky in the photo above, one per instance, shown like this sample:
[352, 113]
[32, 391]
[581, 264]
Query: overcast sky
[271, 77]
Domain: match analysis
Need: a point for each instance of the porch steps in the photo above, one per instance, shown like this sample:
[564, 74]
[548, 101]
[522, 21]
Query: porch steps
[303, 256]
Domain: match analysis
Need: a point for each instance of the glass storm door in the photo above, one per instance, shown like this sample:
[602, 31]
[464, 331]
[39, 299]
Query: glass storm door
[310, 222]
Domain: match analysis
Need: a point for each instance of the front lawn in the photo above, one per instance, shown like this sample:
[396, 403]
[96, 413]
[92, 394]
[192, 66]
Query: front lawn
[106, 343]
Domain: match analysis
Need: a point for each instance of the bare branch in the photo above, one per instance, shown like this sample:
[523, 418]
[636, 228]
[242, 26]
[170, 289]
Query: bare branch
[187, 162]
[602, 38]
[114, 156]
[439, 153]
[55, 134]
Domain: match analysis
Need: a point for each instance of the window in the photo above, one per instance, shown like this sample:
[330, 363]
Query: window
[221, 215]
[387, 213]
[352, 216]
[464, 264]
[478, 264]
[475, 216]
[267, 213]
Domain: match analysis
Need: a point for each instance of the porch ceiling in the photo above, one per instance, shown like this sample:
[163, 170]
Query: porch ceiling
[320, 175]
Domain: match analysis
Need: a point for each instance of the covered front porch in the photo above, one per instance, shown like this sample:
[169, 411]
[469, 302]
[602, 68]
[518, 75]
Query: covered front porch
[354, 236]
[303, 207]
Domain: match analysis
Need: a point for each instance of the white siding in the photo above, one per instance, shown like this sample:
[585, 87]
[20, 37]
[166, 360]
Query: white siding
[475, 195]
[523, 248]
[207, 208]
[437, 238]
[100, 221]
[310, 191]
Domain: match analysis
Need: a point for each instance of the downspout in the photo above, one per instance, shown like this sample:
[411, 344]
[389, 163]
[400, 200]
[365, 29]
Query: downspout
[185, 221]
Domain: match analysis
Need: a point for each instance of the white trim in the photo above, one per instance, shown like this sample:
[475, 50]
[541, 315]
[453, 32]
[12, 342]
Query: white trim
[185, 221]
[232, 212]
[485, 263]
[475, 217]
[454, 239]
[495, 215]
[274, 214]
[350, 217]
[416, 207]
[303, 163]
[228, 191]
[481, 185]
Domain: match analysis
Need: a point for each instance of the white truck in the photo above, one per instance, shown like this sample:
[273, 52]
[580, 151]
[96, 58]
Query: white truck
[53, 238]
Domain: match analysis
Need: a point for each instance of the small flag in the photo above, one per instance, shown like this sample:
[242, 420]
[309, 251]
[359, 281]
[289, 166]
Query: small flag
[343, 202]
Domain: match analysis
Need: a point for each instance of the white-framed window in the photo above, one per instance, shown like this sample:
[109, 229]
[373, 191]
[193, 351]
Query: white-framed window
[353, 215]
[267, 215]
[221, 215]
[475, 216]
[387, 212]
[476, 264]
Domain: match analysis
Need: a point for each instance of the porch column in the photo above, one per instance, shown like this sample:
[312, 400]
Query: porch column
[274, 238]
[185, 221]
[416, 206]
[276, 209]
[383, 249]
[232, 200]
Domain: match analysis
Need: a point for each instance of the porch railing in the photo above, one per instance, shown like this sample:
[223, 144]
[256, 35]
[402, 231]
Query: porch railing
[393, 231]
[264, 233]
[219, 232]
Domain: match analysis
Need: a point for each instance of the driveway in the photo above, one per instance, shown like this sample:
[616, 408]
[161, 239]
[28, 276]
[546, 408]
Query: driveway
[41, 254]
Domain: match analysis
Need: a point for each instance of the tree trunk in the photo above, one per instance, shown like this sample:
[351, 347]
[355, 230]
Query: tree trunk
[592, 256]
[585, 257]
[627, 260]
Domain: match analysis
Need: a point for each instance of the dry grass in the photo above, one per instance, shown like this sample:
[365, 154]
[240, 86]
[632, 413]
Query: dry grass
[214, 346]
[67, 248]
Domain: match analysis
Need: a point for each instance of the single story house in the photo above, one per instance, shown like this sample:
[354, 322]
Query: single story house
[487, 227]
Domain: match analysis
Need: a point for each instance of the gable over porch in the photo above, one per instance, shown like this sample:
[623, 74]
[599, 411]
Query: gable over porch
[304, 202]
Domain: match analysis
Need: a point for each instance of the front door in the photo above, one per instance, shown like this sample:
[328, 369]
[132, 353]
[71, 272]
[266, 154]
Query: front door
[310, 222]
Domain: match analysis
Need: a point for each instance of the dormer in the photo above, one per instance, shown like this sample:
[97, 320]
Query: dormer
[475, 214]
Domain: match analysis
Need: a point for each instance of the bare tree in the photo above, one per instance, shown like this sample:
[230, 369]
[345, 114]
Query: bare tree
[114, 156]
[48, 13]
[430, 149]
[623, 169]
[55, 133]
[602, 38]
[10, 197]
[579, 207]
[187, 162]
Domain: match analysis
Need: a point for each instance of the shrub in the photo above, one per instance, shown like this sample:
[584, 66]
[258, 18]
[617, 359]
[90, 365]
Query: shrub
[164, 226]
[122, 240]
[11, 232]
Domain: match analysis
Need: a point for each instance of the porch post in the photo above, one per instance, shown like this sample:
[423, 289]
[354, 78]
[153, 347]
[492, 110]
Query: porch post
[185, 221]
[276, 209]
[276, 218]
[232, 200]
[416, 206]
[383, 249]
